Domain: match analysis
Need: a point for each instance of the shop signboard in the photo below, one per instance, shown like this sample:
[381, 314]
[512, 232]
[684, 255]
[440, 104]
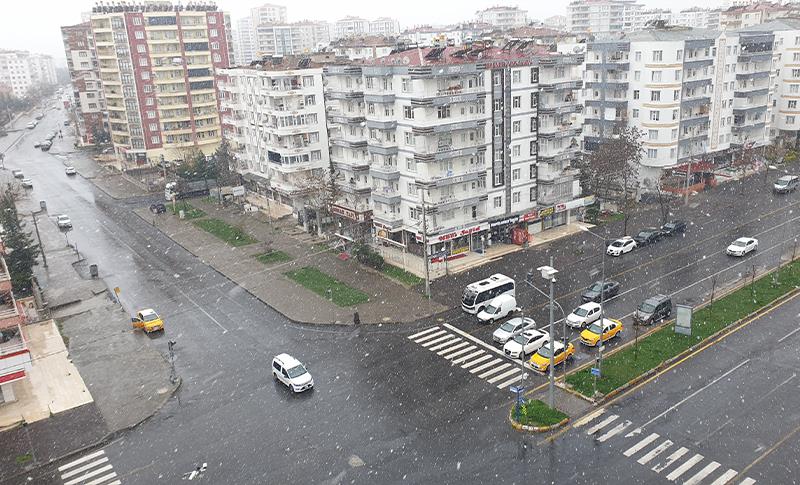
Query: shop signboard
[454, 234]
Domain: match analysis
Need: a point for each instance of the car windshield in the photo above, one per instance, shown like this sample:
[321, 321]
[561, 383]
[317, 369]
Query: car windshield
[149, 317]
[782, 182]
[617, 244]
[296, 371]
[581, 312]
[646, 308]
[596, 287]
[469, 296]
[509, 326]
[594, 328]
[544, 351]
[739, 244]
[490, 309]
[521, 339]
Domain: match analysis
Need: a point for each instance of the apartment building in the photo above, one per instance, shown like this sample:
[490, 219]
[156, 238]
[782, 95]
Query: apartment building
[88, 107]
[502, 17]
[600, 17]
[384, 26]
[697, 18]
[785, 115]
[244, 41]
[350, 27]
[159, 66]
[289, 39]
[21, 70]
[274, 115]
[268, 13]
[368, 47]
[744, 16]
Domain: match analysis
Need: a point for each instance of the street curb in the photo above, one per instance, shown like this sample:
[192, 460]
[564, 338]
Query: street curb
[533, 429]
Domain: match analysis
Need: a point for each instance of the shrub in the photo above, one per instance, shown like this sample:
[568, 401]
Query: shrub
[368, 257]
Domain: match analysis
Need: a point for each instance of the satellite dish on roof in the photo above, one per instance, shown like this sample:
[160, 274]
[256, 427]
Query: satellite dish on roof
[578, 49]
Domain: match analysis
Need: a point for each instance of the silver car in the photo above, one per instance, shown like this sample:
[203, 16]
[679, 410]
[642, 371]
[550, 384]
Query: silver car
[512, 328]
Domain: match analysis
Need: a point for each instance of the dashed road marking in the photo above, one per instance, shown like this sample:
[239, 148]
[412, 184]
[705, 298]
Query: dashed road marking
[613, 431]
[725, 477]
[420, 334]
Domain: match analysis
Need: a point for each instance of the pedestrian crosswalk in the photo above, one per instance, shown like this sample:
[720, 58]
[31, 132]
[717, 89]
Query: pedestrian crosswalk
[91, 469]
[471, 354]
[679, 464]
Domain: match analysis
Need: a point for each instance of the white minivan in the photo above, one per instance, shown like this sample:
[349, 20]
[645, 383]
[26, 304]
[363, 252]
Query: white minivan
[498, 308]
[292, 373]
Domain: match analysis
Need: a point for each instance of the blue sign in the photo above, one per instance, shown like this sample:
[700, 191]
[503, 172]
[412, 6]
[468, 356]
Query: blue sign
[517, 389]
[595, 372]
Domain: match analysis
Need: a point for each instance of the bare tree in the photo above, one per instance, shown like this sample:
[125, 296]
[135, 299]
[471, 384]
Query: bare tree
[746, 158]
[321, 190]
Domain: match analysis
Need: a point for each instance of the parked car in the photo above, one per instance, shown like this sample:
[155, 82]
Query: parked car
[64, 222]
[621, 246]
[512, 328]
[540, 361]
[31, 125]
[599, 291]
[37, 144]
[591, 335]
[45, 146]
[673, 227]
[584, 315]
[648, 236]
[27, 183]
[18, 174]
[654, 309]
[148, 320]
[291, 373]
[525, 343]
[158, 208]
[498, 308]
[70, 170]
[785, 184]
[742, 246]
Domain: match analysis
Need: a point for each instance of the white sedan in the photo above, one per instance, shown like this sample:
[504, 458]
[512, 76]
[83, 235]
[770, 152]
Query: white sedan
[70, 170]
[742, 246]
[64, 222]
[584, 315]
[512, 328]
[621, 246]
[525, 343]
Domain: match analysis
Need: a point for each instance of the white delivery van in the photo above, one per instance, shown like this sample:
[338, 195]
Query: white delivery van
[498, 308]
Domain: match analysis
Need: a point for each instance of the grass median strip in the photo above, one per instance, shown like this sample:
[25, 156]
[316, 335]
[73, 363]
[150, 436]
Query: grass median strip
[273, 257]
[189, 212]
[230, 234]
[401, 275]
[662, 345]
[537, 413]
[319, 282]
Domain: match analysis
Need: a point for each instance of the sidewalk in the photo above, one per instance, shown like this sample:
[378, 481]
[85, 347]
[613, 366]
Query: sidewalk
[389, 301]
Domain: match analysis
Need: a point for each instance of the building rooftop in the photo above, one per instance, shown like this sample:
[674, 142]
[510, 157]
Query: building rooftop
[289, 63]
[365, 41]
[758, 6]
[773, 26]
[672, 34]
[153, 6]
[520, 50]
[501, 8]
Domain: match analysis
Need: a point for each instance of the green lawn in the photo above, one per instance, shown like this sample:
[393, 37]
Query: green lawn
[401, 275]
[273, 257]
[230, 234]
[319, 282]
[189, 212]
[664, 344]
[537, 413]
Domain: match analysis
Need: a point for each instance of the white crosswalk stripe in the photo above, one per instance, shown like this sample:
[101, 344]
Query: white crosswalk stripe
[465, 358]
[430, 336]
[684, 467]
[613, 432]
[453, 340]
[420, 334]
[493, 370]
[602, 424]
[638, 446]
[453, 348]
[747, 481]
[91, 469]
[484, 366]
[725, 477]
[507, 383]
[644, 460]
[449, 354]
[504, 375]
[699, 476]
[670, 459]
[476, 361]
[437, 340]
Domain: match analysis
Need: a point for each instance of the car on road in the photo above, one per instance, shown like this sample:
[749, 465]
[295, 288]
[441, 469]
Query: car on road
[158, 208]
[70, 170]
[291, 373]
[39, 116]
[37, 144]
[45, 146]
[27, 183]
[63, 221]
[512, 328]
[672, 228]
[591, 335]
[742, 246]
[786, 184]
[148, 320]
[540, 361]
[584, 315]
[498, 308]
[600, 291]
[654, 309]
[18, 174]
[525, 343]
[647, 236]
[32, 125]
[621, 246]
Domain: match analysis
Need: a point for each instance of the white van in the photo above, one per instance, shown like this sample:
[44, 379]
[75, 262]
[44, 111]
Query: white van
[498, 308]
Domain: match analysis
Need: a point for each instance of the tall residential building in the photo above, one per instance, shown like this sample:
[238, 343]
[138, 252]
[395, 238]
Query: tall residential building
[503, 17]
[268, 14]
[21, 70]
[557, 22]
[755, 13]
[88, 104]
[697, 18]
[350, 27]
[384, 26]
[601, 16]
[291, 39]
[785, 116]
[159, 69]
[244, 41]
[370, 47]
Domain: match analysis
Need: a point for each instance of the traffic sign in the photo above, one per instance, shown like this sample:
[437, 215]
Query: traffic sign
[595, 372]
[517, 389]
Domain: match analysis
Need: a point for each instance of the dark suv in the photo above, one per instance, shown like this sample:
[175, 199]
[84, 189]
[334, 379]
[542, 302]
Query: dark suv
[654, 309]
[598, 291]
[673, 227]
[648, 236]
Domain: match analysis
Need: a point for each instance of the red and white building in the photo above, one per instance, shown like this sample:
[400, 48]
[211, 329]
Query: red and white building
[15, 356]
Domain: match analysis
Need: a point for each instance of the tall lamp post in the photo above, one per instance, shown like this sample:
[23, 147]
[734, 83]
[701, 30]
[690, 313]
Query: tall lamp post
[549, 274]
[602, 303]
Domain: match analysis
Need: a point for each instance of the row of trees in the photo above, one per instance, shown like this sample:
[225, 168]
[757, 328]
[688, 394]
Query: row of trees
[10, 104]
[21, 250]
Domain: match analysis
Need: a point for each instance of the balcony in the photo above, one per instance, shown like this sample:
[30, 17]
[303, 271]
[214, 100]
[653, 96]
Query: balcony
[343, 93]
[388, 220]
[559, 131]
[5, 277]
[355, 186]
[384, 172]
[9, 313]
[15, 357]
[345, 117]
[555, 85]
[550, 177]
[385, 195]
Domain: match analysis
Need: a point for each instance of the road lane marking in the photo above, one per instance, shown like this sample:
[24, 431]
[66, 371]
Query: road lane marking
[684, 467]
[725, 477]
[474, 339]
[597, 427]
[613, 432]
[484, 366]
[747, 481]
[81, 460]
[83, 468]
[466, 357]
[670, 460]
[494, 370]
[460, 352]
[589, 417]
[769, 451]
[104, 479]
[448, 343]
[789, 334]
[89, 475]
[507, 383]
[420, 334]
[433, 335]
[641, 444]
[645, 459]
[504, 375]
[477, 361]
[437, 340]
[453, 348]
[224, 330]
[675, 406]
[699, 476]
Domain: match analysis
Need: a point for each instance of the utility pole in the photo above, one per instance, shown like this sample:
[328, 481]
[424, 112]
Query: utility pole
[686, 194]
[551, 385]
[602, 316]
[425, 246]
[41, 247]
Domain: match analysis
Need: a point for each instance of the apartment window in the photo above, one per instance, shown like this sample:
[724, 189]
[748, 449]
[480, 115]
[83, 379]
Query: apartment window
[795, 72]
[405, 85]
[532, 171]
[676, 95]
[534, 124]
[790, 120]
[797, 41]
[409, 138]
[497, 202]
[674, 114]
[516, 101]
[212, 20]
[677, 74]
[145, 74]
[516, 126]
[215, 46]
[534, 99]
[657, 56]
[515, 197]
[151, 114]
[153, 126]
[408, 112]
[638, 56]
[316, 155]
[655, 95]
[147, 88]
[796, 57]
[515, 174]
[653, 115]
[412, 188]
[671, 153]
[533, 194]
[652, 153]
[516, 76]
[137, 21]
[534, 75]
[308, 81]
[793, 104]
[371, 108]
[443, 112]
[216, 57]
[635, 94]
[149, 101]
[675, 132]
[141, 48]
[635, 113]
[794, 88]
[637, 75]
[655, 76]
[534, 148]
[679, 55]
[411, 164]
[653, 134]
[413, 213]
[496, 78]
[497, 105]
[138, 34]
[213, 33]
[310, 100]
[143, 61]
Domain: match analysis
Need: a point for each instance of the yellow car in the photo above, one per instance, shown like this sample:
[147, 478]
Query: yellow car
[540, 361]
[148, 320]
[611, 329]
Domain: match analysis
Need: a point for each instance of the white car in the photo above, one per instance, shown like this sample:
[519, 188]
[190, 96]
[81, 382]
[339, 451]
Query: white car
[512, 328]
[742, 246]
[584, 315]
[621, 246]
[64, 222]
[17, 174]
[27, 183]
[292, 373]
[70, 170]
[525, 343]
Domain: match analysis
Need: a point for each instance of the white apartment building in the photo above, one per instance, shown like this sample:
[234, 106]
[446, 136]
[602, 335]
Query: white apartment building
[384, 26]
[274, 116]
[642, 18]
[350, 27]
[785, 117]
[370, 47]
[697, 18]
[558, 22]
[503, 17]
[600, 17]
[21, 70]
[744, 16]
[268, 14]
[244, 41]
[291, 39]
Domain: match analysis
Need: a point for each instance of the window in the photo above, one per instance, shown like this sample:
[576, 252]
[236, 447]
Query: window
[652, 153]
[497, 105]
[657, 56]
[137, 21]
[310, 100]
[534, 99]
[533, 194]
[515, 197]
[516, 101]
[676, 95]
[316, 155]
[635, 94]
[308, 81]
[677, 74]
[410, 138]
[790, 120]
[412, 188]
[143, 61]
[147, 88]
[496, 78]
[151, 114]
[138, 34]
[793, 104]
[653, 134]
[405, 85]
[534, 148]
[516, 126]
[653, 115]
[534, 124]
[411, 164]
[795, 72]
[442, 112]
[638, 56]
[515, 174]
[655, 76]
[213, 33]
[515, 151]
[679, 55]
[635, 113]
[153, 126]
[141, 48]
[215, 46]
[498, 202]
[794, 88]
[671, 153]
[516, 76]
[674, 114]
[212, 20]
[675, 133]
[534, 75]
[145, 74]
[408, 112]
[637, 75]
[655, 95]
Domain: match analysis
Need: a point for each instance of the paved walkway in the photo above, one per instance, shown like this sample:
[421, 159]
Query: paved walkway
[389, 301]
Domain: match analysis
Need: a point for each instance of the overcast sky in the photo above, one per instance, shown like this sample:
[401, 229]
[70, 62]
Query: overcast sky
[34, 24]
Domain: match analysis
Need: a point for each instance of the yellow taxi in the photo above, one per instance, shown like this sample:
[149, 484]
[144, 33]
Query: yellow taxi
[148, 320]
[591, 335]
[540, 361]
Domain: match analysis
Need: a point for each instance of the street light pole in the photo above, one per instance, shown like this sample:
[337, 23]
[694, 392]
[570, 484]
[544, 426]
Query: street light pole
[41, 247]
[686, 192]
[602, 314]
[551, 385]
[425, 246]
